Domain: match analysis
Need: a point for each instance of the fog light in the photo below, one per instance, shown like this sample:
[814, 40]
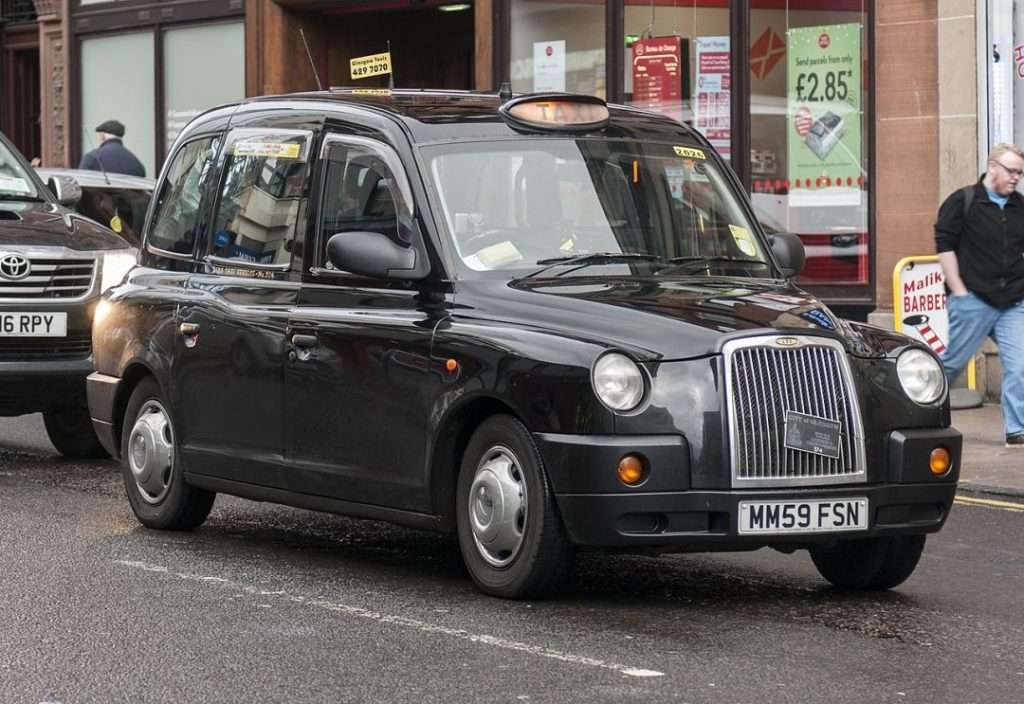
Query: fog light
[939, 461]
[632, 470]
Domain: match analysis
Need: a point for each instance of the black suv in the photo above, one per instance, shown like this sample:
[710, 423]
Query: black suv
[53, 266]
[538, 322]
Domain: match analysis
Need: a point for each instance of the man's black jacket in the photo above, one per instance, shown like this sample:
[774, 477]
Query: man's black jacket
[115, 158]
[989, 244]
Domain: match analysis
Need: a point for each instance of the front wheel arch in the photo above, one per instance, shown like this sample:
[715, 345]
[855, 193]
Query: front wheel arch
[130, 379]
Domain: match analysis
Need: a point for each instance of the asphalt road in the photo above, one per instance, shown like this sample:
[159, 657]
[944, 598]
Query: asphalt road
[269, 604]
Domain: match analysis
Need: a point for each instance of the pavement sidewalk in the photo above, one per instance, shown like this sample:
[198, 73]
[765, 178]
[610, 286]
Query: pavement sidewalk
[988, 467]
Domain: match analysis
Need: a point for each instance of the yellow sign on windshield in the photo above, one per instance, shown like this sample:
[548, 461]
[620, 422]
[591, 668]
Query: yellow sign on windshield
[372, 65]
[689, 152]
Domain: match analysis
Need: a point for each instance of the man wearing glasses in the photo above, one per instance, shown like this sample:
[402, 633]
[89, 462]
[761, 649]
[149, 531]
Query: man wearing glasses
[980, 240]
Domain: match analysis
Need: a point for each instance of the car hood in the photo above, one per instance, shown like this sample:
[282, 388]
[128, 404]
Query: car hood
[665, 319]
[49, 225]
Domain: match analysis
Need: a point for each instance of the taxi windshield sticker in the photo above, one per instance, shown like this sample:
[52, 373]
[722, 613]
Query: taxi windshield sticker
[13, 184]
[372, 65]
[689, 152]
[281, 150]
[743, 239]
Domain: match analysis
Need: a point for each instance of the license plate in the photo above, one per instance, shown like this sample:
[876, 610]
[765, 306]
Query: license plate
[815, 516]
[44, 324]
[819, 436]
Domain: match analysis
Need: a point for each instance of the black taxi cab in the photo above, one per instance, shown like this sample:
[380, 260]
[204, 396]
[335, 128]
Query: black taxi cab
[538, 322]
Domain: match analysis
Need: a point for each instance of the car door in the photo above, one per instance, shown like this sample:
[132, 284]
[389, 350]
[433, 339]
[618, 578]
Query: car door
[360, 379]
[233, 322]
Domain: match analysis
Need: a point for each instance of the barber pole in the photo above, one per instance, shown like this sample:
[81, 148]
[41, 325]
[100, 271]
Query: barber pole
[920, 323]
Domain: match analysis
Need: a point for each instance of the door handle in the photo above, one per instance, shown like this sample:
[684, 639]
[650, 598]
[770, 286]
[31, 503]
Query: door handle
[189, 329]
[305, 342]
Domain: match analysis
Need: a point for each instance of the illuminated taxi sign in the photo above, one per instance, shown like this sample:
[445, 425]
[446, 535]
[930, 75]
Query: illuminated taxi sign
[556, 112]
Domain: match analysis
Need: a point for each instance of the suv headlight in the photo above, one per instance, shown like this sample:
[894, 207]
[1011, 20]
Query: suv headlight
[618, 382]
[114, 266]
[921, 376]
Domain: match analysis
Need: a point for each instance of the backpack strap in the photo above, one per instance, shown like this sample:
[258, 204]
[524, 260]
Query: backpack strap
[968, 193]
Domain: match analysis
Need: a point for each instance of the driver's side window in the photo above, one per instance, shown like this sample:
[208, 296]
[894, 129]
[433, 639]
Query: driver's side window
[360, 193]
[177, 210]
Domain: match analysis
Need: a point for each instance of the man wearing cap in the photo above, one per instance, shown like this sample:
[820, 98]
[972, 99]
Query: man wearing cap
[112, 155]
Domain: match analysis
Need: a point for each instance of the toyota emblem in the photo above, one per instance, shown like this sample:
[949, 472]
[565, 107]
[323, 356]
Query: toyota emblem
[14, 266]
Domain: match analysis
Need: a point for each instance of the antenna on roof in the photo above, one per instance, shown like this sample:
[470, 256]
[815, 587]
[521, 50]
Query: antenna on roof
[391, 75]
[309, 55]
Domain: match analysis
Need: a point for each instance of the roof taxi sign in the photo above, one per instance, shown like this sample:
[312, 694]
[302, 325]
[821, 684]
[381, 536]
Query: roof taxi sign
[372, 65]
[556, 111]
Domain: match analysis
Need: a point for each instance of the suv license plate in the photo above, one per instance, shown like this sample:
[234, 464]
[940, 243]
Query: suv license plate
[817, 516]
[45, 324]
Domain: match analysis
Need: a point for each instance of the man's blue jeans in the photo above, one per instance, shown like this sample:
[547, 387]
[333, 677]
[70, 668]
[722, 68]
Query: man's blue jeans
[971, 320]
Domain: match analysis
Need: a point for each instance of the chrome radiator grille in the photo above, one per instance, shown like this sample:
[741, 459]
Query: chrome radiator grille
[764, 381]
[51, 278]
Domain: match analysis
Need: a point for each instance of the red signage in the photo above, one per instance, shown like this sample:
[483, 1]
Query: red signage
[657, 73]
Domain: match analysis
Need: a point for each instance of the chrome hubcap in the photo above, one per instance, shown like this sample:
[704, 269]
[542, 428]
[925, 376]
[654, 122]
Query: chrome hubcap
[151, 452]
[498, 506]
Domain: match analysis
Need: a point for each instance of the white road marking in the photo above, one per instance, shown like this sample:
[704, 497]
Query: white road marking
[401, 621]
[989, 503]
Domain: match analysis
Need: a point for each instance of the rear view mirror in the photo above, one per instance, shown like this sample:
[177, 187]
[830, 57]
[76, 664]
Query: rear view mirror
[376, 255]
[65, 188]
[789, 252]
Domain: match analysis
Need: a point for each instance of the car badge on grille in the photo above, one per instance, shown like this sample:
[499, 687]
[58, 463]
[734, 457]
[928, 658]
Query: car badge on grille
[787, 341]
[14, 266]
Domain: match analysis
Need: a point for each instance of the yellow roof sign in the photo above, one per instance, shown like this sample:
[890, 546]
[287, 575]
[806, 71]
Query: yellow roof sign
[372, 65]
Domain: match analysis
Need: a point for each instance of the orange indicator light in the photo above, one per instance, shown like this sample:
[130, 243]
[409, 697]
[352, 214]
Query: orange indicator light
[939, 461]
[451, 365]
[632, 470]
[636, 171]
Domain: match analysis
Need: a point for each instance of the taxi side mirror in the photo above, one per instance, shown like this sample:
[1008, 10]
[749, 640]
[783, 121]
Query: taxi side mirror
[376, 255]
[789, 252]
[66, 189]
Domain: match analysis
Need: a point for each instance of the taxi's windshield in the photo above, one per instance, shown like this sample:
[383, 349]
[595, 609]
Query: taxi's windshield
[555, 206]
[15, 183]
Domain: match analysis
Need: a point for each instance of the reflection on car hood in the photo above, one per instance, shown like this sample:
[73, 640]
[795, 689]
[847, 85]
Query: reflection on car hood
[666, 319]
[48, 225]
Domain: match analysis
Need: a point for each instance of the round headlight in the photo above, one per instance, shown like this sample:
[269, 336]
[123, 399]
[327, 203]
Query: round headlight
[921, 376]
[618, 382]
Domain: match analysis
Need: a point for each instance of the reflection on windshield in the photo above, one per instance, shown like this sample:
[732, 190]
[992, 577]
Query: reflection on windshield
[511, 205]
[14, 181]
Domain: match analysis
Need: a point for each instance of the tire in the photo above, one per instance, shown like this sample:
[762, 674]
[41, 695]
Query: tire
[151, 466]
[869, 564]
[71, 432]
[523, 551]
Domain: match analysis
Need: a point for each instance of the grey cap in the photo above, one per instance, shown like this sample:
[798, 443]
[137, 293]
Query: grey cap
[111, 127]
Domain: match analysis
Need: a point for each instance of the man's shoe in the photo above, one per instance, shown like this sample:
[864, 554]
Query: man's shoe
[1015, 440]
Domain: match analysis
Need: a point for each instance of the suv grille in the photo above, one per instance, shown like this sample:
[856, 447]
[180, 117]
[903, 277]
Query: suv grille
[764, 381]
[51, 278]
[74, 346]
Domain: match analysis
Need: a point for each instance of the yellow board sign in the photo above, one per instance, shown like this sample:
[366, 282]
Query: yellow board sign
[268, 149]
[372, 65]
[690, 152]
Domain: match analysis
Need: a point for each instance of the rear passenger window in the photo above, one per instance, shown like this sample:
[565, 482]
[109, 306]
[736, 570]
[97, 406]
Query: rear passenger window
[364, 190]
[176, 215]
[262, 206]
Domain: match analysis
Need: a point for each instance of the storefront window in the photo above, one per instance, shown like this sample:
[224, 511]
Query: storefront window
[808, 131]
[558, 46]
[190, 52]
[677, 63]
[118, 75]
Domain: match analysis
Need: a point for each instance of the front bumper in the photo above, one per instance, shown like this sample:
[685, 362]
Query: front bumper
[41, 385]
[666, 513]
[102, 393]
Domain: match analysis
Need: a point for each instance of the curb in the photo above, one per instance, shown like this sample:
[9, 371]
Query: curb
[971, 489]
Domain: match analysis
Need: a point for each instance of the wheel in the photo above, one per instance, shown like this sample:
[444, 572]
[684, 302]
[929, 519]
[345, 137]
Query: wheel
[71, 432]
[152, 472]
[869, 563]
[510, 534]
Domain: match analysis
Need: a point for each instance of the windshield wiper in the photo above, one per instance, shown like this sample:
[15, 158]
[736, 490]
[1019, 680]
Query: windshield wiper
[686, 263]
[590, 258]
